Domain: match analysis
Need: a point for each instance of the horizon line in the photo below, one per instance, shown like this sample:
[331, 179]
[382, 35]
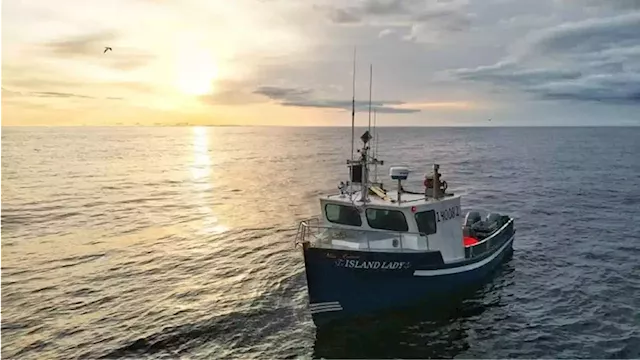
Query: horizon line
[330, 126]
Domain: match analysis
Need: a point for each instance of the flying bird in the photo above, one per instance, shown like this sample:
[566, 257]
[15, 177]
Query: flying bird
[106, 48]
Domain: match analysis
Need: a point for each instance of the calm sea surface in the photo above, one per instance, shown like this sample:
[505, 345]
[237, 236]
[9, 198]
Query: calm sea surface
[169, 242]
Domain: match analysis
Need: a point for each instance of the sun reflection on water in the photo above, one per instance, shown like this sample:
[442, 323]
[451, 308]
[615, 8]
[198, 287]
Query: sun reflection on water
[201, 166]
[201, 171]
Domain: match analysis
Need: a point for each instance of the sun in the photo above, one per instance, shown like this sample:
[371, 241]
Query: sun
[196, 72]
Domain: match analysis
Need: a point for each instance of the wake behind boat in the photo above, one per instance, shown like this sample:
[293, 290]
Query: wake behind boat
[375, 249]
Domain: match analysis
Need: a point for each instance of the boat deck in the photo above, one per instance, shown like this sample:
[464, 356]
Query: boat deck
[328, 237]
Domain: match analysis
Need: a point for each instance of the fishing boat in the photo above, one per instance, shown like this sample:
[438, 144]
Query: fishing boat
[377, 248]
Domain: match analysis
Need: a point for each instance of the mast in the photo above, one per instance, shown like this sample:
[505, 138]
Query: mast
[375, 147]
[370, 87]
[364, 161]
[353, 120]
[365, 147]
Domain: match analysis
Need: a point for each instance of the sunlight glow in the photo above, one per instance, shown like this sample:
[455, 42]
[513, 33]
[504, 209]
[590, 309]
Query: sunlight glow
[196, 71]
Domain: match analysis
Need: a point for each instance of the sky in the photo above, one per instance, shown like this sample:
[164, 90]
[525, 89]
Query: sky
[289, 62]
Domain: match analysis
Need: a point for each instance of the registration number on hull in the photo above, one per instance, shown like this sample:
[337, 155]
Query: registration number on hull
[448, 214]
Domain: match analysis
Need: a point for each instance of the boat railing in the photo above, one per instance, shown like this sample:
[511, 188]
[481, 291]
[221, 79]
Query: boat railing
[314, 234]
[303, 229]
[491, 241]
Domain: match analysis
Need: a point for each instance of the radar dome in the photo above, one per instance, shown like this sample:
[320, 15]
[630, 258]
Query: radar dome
[399, 172]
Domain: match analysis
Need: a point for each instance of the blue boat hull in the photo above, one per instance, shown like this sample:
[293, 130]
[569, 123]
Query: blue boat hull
[344, 283]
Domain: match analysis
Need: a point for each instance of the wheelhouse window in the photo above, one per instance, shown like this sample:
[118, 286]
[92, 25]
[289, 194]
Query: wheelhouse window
[426, 221]
[345, 215]
[384, 219]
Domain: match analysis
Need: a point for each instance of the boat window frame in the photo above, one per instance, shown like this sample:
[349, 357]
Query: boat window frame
[406, 223]
[344, 206]
[435, 222]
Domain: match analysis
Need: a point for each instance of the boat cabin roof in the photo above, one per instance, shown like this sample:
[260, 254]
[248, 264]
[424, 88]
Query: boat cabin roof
[407, 199]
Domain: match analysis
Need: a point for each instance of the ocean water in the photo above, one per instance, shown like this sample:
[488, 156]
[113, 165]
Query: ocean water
[178, 242]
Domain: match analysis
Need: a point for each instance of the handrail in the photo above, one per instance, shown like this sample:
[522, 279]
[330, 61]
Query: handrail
[305, 230]
[492, 235]
[413, 200]
[487, 241]
[363, 230]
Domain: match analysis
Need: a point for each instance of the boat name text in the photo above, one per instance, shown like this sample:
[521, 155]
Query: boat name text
[381, 265]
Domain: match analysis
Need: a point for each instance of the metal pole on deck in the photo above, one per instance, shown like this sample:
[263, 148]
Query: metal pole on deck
[375, 148]
[436, 181]
[370, 89]
[353, 121]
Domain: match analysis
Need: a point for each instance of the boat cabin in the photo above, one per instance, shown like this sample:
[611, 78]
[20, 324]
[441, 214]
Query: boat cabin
[399, 220]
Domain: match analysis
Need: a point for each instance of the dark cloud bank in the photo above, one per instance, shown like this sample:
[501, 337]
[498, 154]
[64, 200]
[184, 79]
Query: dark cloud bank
[591, 60]
[241, 93]
[449, 14]
[304, 98]
[427, 20]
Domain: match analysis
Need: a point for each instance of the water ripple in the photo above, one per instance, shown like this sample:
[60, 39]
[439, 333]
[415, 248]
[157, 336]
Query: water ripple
[175, 242]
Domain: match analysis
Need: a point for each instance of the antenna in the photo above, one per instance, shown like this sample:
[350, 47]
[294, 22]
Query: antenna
[370, 87]
[375, 147]
[353, 119]
[365, 147]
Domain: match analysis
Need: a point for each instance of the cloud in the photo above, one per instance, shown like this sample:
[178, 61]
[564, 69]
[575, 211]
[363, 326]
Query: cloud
[281, 93]
[386, 32]
[84, 45]
[445, 105]
[51, 94]
[59, 95]
[590, 60]
[448, 18]
[139, 87]
[297, 97]
[240, 93]
[128, 61]
[228, 97]
[589, 36]
[10, 93]
[47, 82]
[622, 4]
[366, 9]
[612, 4]
[509, 73]
[35, 77]
[342, 16]
[232, 92]
[425, 19]
[92, 46]
[615, 88]
[518, 47]
[36, 81]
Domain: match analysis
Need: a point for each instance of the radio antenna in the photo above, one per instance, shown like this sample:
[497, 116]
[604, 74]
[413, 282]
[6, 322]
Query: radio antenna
[370, 87]
[353, 120]
[375, 148]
